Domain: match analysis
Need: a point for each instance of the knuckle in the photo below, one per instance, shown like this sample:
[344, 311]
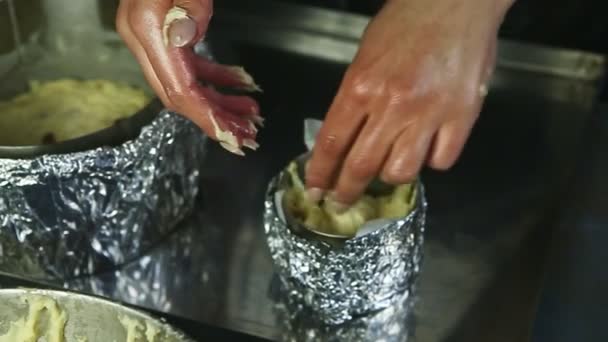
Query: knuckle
[315, 177]
[444, 161]
[402, 173]
[359, 168]
[137, 19]
[361, 87]
[398, 178]
[441, 163]
[401, 89]
[330, 145]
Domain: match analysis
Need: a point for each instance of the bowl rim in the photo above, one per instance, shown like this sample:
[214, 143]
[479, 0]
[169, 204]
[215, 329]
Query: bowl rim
[95, 299]
[119, 133]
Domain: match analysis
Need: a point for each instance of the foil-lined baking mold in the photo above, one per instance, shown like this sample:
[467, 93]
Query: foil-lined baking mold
[362, 275]
[65, 216]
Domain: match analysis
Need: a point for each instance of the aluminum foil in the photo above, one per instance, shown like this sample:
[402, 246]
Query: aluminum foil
[391, 324]
[364, 274]
[64, 216]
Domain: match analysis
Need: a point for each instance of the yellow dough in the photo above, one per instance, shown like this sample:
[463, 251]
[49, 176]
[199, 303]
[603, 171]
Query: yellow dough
[322, 218]
[134, 330]
[30, 328]
[46, 321]
[64, 109]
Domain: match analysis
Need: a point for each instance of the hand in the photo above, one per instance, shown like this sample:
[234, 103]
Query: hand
[410, 97]
[161, 34]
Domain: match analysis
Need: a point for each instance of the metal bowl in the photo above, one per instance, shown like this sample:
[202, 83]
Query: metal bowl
[49, 50]
[93, 203]
[121, 132]
[88, 318]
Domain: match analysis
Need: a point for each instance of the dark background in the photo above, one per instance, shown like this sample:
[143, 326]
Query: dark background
[578, 24]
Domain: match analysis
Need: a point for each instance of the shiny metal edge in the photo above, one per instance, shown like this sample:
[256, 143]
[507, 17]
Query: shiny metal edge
[333, 35]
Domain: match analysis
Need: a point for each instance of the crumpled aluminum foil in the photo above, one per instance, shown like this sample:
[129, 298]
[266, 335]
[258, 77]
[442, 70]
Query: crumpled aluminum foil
[64, 216]
[392, 324]
[338, 283]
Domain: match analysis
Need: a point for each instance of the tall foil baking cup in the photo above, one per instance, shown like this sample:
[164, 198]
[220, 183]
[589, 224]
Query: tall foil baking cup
[353, 278]
[68, 215]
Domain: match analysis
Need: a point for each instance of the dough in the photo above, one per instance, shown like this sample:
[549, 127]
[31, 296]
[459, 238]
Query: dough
[322, 218]
[134, 330]
[29, 329]
[65, 109]
[46, 321]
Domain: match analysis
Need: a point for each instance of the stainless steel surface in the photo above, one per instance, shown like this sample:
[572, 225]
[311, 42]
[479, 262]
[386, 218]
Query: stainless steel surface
[489, 217]
[327, 34]
[574, 300]
[88, 318]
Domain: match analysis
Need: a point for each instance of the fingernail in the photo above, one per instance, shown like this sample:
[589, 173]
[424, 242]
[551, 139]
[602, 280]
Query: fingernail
[251, 144]
[181, 32]
[245, 79]
[336, 206]
[314, 194]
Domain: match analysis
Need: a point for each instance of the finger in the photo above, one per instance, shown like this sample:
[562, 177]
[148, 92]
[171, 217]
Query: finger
[174, 70]
[240, 105]
[224, 75]
[186, 22]
[124, 30]
[148, 71]
[449, 142]
[365, 160]
[342, 124]
[408, 154]
[243, 130]
[490, 64]
[174, 67]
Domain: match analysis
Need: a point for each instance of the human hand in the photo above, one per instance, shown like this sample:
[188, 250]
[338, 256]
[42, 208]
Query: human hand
[161, 34]
[410, 97]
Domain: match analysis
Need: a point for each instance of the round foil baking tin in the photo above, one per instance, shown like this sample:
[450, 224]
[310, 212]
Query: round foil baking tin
[353, 277]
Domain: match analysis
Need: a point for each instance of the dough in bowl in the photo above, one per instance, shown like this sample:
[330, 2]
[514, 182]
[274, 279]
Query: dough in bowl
[59, 110]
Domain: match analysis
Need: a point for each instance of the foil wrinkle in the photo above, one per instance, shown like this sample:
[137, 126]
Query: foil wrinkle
[366, 274]
[65, 216]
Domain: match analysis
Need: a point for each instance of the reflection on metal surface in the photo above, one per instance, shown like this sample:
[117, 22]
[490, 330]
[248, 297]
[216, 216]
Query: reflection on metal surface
[572, 305]
[323, 33]
[168, 279]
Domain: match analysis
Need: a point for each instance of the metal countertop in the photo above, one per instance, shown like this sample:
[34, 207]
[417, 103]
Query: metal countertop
[490, 217]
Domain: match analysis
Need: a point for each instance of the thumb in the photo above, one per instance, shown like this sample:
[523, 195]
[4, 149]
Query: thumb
[186, 22]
